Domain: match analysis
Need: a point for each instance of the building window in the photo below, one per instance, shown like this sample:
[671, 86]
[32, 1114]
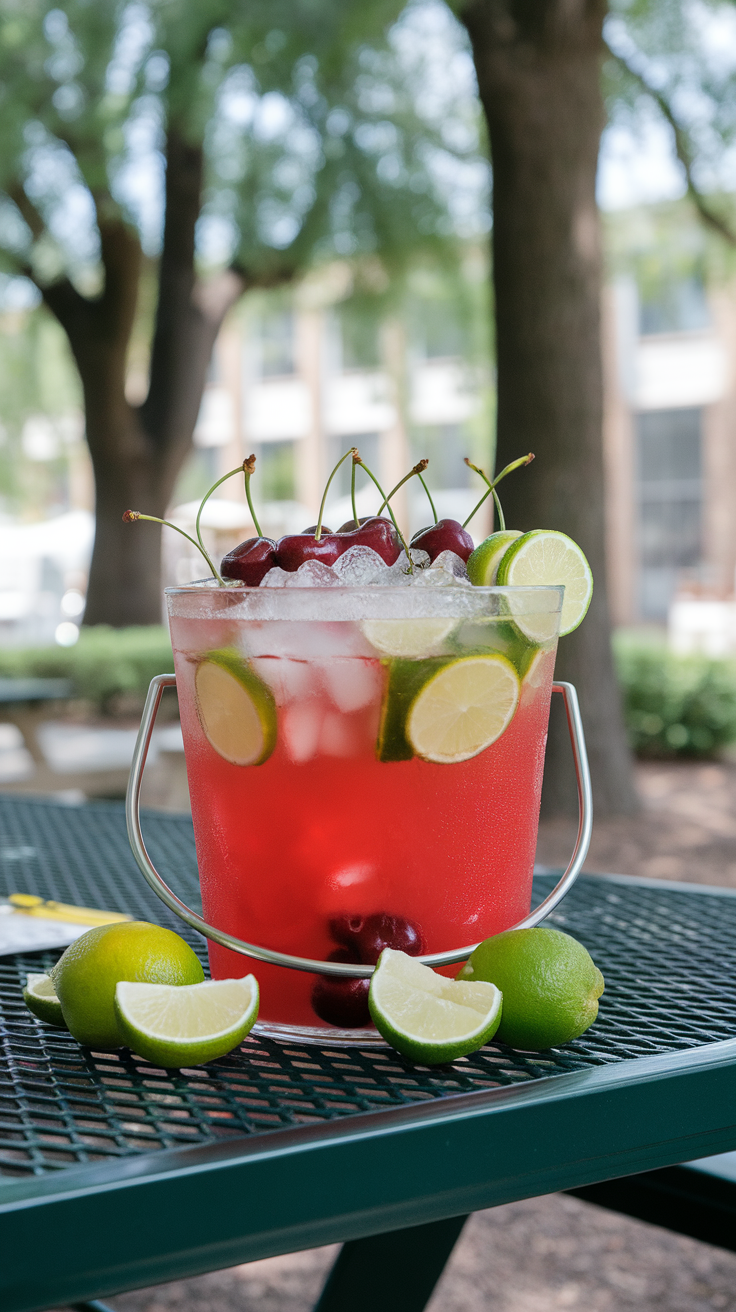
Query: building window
[676, 305]
[276, 343]
[670, 504]
[276, 471]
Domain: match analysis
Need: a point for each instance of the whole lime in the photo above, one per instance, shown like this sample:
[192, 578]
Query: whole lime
[86, 975]
[549, 981]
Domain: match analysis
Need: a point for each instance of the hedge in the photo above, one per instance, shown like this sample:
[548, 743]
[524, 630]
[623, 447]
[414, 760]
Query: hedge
[675, 705]
[103, 665]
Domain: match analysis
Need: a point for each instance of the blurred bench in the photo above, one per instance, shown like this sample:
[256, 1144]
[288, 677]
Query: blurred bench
[24, 703]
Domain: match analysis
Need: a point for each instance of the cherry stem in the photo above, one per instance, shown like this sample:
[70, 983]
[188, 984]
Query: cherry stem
[131, 516]
[352, 496]
[429, 497]
[357, 460]
[318, 530]
[240, 470]
[249, 466]
[509, 469]
[418, 469]
[501, 517]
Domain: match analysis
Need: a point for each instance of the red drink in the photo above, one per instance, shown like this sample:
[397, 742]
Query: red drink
[323, 828]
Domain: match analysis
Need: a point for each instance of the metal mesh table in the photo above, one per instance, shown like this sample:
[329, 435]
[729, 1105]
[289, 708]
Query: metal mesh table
[336, 1142]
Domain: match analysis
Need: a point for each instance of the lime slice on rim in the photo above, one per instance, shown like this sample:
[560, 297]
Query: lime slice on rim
[188, 1024]
[40, 997]
[463, 708]
[427, 1017]
[236, 709]
[407, 637]
[545, 557]
[483, 563]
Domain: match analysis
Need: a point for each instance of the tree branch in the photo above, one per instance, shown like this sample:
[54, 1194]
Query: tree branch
[682, 147]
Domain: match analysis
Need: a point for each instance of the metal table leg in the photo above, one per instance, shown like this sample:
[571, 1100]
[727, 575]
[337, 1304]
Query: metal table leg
[396, 1272]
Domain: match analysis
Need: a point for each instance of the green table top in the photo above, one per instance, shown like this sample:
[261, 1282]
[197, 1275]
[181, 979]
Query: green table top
[115, 1175]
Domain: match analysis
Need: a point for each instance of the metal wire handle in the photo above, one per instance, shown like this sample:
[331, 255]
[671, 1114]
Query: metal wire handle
[162, 890]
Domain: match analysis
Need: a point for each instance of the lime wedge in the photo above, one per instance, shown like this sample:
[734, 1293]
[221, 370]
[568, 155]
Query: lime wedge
[407, 637]
[546, 557]
[483, 563]
[236, 709]
[40, 997]
[184, 1025]
[427, 1017]
[463, 708]
[405, 679]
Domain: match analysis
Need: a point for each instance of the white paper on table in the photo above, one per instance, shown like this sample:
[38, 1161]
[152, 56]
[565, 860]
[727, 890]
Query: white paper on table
[20, 933]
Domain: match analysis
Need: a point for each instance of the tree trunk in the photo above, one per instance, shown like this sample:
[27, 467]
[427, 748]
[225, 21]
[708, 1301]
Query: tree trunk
[137, 452]
[538, 66]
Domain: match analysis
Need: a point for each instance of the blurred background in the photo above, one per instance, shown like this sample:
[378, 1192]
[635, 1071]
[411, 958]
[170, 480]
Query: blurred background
[344, 188]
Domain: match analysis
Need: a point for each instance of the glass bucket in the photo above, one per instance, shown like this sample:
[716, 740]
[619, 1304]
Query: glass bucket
[361, 761]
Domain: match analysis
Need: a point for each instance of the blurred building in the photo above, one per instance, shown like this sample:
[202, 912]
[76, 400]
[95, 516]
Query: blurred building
[670, 440]
[299, 386]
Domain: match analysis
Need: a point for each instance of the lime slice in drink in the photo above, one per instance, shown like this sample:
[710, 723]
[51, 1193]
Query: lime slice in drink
[40, 997]
[236, 709]
[483, 563]
[546, 557]
[407, 637]
[427, 1017]
[463, 708]
[189, 1024]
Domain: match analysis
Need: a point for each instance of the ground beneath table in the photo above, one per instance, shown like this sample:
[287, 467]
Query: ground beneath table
[553, 1252]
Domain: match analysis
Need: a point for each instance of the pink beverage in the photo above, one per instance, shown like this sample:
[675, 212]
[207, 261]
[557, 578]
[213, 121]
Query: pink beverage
[304, 712]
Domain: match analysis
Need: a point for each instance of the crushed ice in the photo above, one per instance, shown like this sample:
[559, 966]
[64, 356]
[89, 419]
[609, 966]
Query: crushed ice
[362, 567]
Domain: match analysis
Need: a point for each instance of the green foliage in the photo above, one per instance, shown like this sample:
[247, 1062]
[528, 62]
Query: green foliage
[675, 705]
[103, 664]
[319, 137]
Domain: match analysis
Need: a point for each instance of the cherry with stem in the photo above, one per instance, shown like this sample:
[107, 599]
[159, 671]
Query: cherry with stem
[418, 469]
[318, 531]
[429, 495]
[492, 483]
[386, 502]
[130, 517]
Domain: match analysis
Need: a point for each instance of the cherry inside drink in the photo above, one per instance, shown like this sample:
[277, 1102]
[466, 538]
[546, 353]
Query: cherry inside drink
[335, 798]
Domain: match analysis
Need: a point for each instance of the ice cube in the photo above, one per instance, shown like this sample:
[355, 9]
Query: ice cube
[302, 726]
[399, 573]
[352, 684]
[358, 565]
[446, 570]
[287, 679]
[313, 574]
[275, 578]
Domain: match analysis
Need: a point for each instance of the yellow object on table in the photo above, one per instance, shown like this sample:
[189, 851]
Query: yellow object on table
[31, 905]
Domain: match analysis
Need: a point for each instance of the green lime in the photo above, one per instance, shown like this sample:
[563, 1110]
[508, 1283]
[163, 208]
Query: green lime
[427, 1017]
[549, 981]
[463, 708]
[40, 997]
[236, 709]
[483, 563]
[405, 679]
[547, 558]
[173, 1027]
[407, 637]
[85, 977]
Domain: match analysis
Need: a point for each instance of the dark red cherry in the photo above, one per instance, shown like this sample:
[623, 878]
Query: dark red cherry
[367, 936]
[342, 1002]
[377, 533]
[350, 524]
[446, 535]
[294, 550]
[250, 561]
[313, 529]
